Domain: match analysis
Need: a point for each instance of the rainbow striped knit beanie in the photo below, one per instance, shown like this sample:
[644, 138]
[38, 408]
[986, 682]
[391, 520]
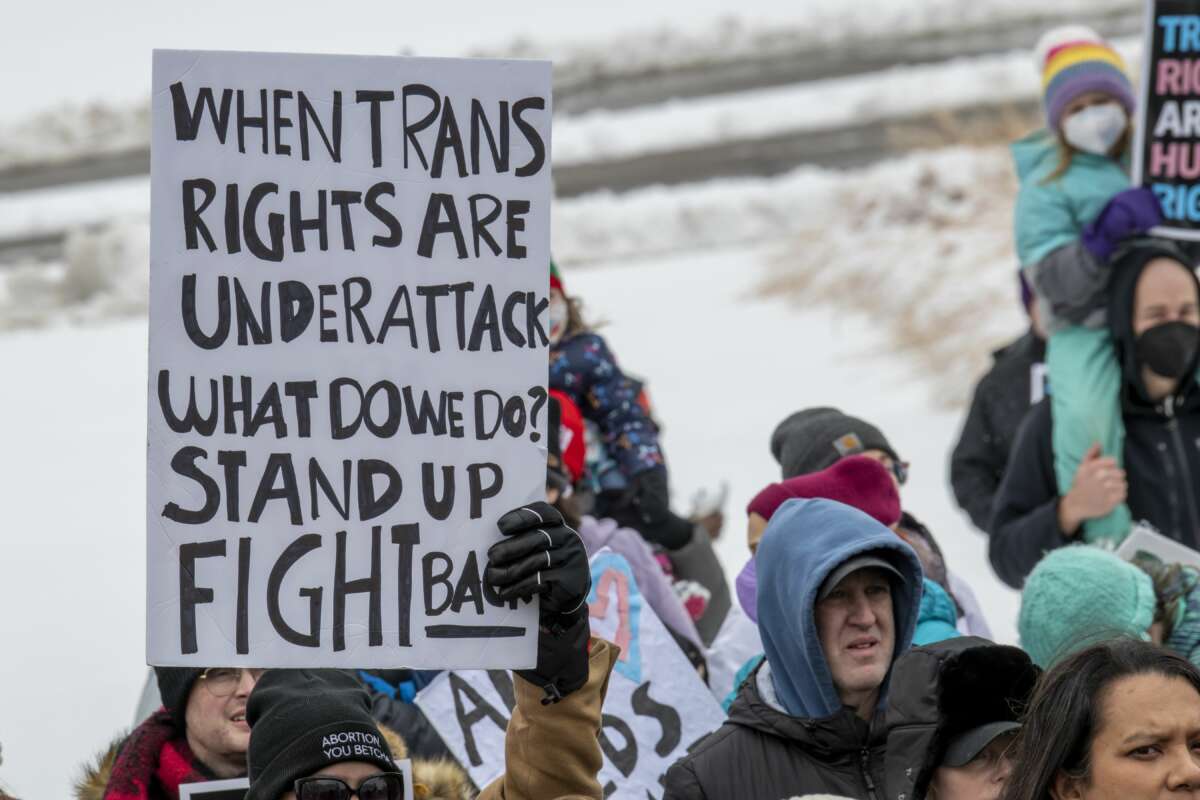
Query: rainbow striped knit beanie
[1074, 59]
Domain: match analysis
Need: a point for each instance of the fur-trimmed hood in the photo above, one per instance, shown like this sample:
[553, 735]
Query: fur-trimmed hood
[437, 779]
[95, 774]
[943, 690]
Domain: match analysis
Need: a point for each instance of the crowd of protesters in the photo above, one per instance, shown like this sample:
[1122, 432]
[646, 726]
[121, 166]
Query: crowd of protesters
[853, 660]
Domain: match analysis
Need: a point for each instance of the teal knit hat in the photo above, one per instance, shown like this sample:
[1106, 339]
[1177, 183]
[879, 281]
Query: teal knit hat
[1080, 595]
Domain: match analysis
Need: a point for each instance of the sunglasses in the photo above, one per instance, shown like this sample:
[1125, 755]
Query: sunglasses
[900, 470]
[383, 786]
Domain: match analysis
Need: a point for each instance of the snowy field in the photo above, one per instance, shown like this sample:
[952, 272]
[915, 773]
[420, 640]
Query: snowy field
[919, 245]
[722, 367]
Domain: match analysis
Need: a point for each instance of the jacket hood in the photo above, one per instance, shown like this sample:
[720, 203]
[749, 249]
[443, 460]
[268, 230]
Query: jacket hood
[1028, 346]
[941, 691]
[1128, 265]
[93, 777]
[1039, 152]
[1034, 151]
[805, 541]
[938, 619]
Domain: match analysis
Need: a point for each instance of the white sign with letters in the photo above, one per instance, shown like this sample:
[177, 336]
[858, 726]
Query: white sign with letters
[656, 707]
[348, 313]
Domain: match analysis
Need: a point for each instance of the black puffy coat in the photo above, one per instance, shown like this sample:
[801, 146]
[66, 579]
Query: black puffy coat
[762, 752]
[1002, 399]
[1162, 453]
[941, 691]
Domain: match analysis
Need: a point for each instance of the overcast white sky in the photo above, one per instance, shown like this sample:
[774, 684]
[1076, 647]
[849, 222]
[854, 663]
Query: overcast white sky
[53, 52]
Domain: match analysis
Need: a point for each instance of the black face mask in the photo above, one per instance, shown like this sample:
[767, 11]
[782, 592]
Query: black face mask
[1169, 349]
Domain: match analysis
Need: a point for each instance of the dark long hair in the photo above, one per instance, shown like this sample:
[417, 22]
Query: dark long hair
[1065, 711]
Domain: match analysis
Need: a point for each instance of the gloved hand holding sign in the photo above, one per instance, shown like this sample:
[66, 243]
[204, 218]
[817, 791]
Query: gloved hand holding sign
[541, 555]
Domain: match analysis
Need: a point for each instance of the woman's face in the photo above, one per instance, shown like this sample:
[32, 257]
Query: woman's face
[981, 779]
[1147, 745]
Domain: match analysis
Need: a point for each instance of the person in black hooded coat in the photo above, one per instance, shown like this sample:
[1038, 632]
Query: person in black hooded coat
[948, 702]
[1002, 399]
[1161, 480]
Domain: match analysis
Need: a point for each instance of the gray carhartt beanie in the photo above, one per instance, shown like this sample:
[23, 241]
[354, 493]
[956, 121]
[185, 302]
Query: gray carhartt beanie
[816, 438]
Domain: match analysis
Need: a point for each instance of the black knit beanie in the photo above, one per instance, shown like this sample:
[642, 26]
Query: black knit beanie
[302, 720]
[816, 438]
[174, 686]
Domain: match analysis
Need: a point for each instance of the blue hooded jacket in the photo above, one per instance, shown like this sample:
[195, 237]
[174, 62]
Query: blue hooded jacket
[805, 542]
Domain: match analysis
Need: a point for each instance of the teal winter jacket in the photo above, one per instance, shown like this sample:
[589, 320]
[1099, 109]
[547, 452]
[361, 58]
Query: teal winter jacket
[1052, 213]
[938, 617]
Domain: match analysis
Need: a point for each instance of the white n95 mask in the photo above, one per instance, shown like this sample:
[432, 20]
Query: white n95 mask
[1095, 129]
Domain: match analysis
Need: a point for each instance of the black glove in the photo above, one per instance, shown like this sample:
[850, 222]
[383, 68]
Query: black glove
[650, 496]
[645, 507]
[542, 556]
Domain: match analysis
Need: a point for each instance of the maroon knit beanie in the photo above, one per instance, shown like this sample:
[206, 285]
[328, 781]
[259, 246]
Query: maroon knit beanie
[858, 481]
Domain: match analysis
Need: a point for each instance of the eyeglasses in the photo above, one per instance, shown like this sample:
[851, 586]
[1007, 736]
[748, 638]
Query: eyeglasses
[383, 786]
[223, 681]
[900, 470]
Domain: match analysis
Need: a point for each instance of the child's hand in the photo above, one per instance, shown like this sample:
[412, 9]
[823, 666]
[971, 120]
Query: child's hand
[1099, 487]
[1128, 213]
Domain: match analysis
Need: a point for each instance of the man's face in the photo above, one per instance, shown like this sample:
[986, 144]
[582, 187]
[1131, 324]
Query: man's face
[858, 634]
[1165, 293]
[215, 716]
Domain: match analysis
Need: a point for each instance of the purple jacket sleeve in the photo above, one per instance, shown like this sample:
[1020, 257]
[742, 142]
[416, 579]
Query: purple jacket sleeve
[654, 585]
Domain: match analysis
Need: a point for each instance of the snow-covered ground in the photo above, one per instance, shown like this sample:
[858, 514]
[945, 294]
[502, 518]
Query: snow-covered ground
[723, 364]
[916, 244]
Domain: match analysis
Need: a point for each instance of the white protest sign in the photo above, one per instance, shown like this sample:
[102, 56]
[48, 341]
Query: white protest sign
[656, 707]
[231, 789]
[348, 356]
[1146, 540]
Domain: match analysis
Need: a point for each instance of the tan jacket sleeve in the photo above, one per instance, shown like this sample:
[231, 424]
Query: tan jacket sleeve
[553, 751]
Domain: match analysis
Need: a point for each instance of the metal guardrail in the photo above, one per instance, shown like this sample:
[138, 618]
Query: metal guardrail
[834, 60]
[619, 90]
[847, 146]
[844, 147]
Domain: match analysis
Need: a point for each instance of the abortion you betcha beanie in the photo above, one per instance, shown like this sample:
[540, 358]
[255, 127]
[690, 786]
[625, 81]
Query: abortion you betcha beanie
[302, 720]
